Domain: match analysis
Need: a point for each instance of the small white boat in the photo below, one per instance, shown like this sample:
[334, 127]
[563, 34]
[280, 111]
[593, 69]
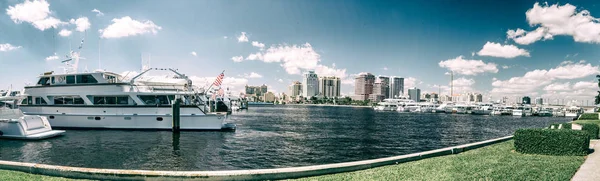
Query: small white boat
[15, 125]
[428, 107]
[573, 111]
[388, 105]
[442, 108]
[558, 112]
[463, 109]
[544, 112]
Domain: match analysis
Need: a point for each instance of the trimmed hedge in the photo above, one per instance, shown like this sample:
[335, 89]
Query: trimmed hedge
[552, 142]
[591, 129]
[589, 116]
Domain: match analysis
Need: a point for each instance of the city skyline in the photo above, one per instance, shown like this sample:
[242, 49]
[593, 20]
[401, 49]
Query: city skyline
[508, 48]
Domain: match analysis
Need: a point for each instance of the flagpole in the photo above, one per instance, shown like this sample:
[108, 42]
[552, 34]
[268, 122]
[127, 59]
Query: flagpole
[214, 83]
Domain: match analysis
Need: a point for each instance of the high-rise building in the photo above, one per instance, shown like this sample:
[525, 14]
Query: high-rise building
[479, 98]
[396, 87]
[330, 86]
[256, 90]
[414, 94]
[363, 86]
[378, 92]
[384, 88]
[539, 101]
[295, 89]
[526, 100]
[310, 84]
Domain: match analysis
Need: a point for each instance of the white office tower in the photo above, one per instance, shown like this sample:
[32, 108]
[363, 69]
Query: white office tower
[310, 84]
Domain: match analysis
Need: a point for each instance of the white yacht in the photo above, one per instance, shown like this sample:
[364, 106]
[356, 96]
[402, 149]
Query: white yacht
[104, 100]
[573, 111]
[388, 105]
[524, 110]
[442, 108]
[558, 112]
[463, 109]
[483, 109]
[428, 107]
[507, 110]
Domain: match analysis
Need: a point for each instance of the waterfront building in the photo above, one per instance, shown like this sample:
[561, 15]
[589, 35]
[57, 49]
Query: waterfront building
[539, 101]
[396, 87]
[310, 84]
[269, 97]
[256, 93]
[384, 87]
[330, 86]
[526, 100]
[363, 86]
[414, 94]
[295, 89]
[479, 98]
[378, 92]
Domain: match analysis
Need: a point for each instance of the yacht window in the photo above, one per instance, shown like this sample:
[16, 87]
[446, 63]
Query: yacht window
[52, 80]
[40, 101]
[59, 100]
[149, 100]
[44, 81]
[24, 101]
[86, 79]
[111, 100]
[123, 100]
[99, 100]
[78, 100]
[70, 79]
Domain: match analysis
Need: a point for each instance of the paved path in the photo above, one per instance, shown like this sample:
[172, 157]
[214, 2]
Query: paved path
[590, 168]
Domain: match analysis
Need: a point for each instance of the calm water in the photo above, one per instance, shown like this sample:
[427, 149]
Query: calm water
[270, 137]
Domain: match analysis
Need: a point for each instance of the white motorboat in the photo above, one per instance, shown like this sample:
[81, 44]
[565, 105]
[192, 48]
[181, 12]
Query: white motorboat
[543, 112]
[573, 111]
[388, 105]
[483, 109]
[442, 108]
[427, 107]
[463, 109]
[507, 110]
[15, 125]
[558, 112]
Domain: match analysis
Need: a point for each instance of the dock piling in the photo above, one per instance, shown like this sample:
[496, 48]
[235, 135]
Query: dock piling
[176, 115]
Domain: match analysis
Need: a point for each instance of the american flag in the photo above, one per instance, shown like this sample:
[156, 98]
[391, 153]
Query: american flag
[219, 80]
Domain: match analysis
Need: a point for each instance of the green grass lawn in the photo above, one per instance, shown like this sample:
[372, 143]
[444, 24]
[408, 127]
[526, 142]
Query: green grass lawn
[495, 162]
[589, 121]
[14, 175]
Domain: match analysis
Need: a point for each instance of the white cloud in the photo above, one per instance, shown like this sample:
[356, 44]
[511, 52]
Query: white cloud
[98, 12]
[125, 26]
[237, 58]
[65, 32]
[52, 57]
[522, 37]
[468, 67]
[504, 51]
[243, 37]
[232, 83]
[258, 44]
[194, 54]
[558, 87]
[280, 80]
[36, 12]
[505, 67]
[582, 90]
[253, 75]
[559, 20]
[8, 47]
[225, 37]
[533, 80]
[293, 58]
[385, 68]
[82, 23]
[410, 82]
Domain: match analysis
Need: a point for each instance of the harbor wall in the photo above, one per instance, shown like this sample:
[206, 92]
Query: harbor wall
[257, 174]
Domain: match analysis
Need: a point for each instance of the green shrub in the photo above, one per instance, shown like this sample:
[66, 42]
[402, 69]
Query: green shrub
[564, 125]
[588, 116]
[591, 130]
[552, 142]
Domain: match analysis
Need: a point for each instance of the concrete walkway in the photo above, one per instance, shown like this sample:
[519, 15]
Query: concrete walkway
[589, 170]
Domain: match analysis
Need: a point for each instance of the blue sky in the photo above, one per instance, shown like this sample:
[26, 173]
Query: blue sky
[418, 40]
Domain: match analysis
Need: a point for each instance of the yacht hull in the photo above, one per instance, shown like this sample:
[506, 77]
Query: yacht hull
[191, 118]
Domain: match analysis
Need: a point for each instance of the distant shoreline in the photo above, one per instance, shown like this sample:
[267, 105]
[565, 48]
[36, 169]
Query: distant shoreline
[325, 105]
